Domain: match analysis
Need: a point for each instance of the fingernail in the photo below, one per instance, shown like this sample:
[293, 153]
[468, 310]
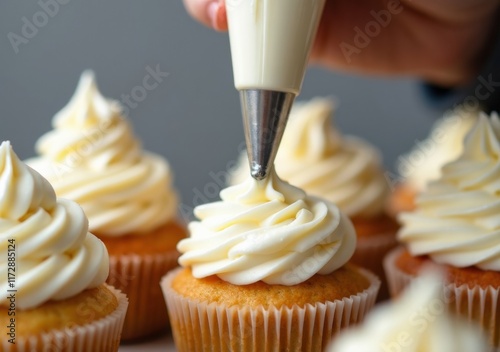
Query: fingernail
[213, 10]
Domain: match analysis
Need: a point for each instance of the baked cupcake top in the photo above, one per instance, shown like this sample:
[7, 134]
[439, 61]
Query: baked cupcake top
[92, 157]
[55, 255]
[444, 144]
[457, 218]
[267, 231]
[317, 158]
[416, 321]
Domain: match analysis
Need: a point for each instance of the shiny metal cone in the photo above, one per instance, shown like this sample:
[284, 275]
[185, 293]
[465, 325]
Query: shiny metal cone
[265, 114]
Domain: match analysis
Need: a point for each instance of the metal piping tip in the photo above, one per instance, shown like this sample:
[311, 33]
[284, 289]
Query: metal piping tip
[265, 113]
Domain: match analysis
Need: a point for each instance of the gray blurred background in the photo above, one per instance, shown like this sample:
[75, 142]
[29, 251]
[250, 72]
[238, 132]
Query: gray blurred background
[193, 116]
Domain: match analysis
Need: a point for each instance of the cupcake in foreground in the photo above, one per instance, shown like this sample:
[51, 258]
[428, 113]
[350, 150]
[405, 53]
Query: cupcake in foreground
[54, 296]
[92, 157]
[342, 169]
[423, 164]
[456, 227]
[265, 269]
[416, 322]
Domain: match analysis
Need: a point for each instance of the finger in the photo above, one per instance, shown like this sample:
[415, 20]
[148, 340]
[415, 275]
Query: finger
[199, 10]
[212, 13]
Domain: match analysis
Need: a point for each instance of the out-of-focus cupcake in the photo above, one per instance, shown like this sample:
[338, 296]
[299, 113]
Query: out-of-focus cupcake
[265, 269]
[53, 293]
[415, 322]
[344, 170]
[456, 227]
[92, 157]
[423, 164]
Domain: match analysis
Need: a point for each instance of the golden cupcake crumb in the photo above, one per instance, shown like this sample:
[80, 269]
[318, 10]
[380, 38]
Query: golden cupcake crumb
[470, 276]
[84, 308]
[161, 240]
[342, 283]
[379, 225]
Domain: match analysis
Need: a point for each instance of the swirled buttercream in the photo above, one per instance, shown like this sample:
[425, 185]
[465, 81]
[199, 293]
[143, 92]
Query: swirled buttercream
[267, 231]
[444, 144]
[457, 219]
[55, 255]
[315, 157]
[92, 157]
[416, 322]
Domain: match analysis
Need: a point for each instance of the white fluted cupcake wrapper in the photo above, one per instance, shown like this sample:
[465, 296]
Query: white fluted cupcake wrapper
[397, 280]
[476, 304]
[138, 276]
[205, 326]
[102, 335]
[369, 254]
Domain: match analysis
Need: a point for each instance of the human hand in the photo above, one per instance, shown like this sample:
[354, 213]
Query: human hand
[443, 42]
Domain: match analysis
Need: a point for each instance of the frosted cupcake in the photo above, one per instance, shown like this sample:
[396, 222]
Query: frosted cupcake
[342, 169]
[416, 321]
[92, 157]
[423, 164]
[456, 227]
[265, 269]
[53, 292]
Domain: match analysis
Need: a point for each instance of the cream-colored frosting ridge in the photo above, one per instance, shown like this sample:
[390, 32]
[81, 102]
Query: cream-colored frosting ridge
[457, 220]
[444, 144]
[55, 255]
[267, 231]
[92, 156]
[317, 158]
[417, 321]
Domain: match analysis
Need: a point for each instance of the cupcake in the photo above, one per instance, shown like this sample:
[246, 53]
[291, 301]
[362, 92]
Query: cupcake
[53, 293]
[92, 157]
[456, 228]
[342, 169]
[423, 164]
[265, 269]
[416, 321]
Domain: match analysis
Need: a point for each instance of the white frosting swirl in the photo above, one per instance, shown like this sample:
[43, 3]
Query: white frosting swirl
[457, 218]
[444, 144]
[56, 256]
[416, 322]
[313, 156]
[267, 231]
[93, 157]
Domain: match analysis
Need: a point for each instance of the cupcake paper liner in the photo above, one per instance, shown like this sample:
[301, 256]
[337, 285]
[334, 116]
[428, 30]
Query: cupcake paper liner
[102, 335]
[477, 305]
[139, 277]
[370, 253]
[397, 280]
[208, 326]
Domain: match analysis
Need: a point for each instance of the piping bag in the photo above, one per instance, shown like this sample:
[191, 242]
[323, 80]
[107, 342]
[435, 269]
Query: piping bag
[270, 45]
